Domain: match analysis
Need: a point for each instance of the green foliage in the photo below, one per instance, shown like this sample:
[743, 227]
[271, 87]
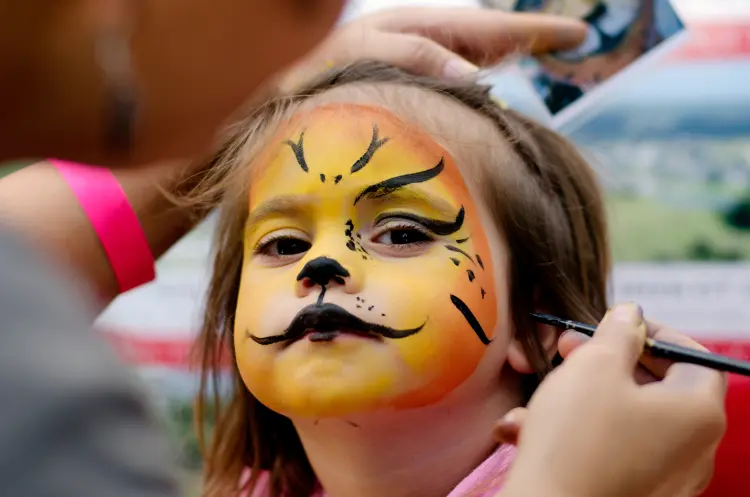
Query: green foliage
[182, 428]
[738, 216]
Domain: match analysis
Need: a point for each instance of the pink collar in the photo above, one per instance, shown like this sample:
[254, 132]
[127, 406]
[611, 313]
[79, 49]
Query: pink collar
[486, 480]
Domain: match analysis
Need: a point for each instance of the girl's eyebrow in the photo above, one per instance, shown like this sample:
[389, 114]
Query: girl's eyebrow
[415, 194]
[288, 205]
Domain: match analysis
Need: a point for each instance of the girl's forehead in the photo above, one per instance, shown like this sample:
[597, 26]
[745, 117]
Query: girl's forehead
[334, 146]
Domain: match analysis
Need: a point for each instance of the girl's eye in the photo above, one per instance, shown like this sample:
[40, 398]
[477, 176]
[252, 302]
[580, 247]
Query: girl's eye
[284, 246]
[402, 235]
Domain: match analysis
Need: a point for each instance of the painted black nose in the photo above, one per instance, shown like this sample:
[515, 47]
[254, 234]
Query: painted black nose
[322, 270]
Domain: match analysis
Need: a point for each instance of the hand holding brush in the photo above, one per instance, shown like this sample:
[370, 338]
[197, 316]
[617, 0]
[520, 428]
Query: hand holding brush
[592, 429]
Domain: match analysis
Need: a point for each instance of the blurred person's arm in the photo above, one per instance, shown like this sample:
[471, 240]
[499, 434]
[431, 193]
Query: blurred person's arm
[39, 203]
[73, 421]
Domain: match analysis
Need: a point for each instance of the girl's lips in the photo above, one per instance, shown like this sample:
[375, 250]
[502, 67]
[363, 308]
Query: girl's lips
[316, 335]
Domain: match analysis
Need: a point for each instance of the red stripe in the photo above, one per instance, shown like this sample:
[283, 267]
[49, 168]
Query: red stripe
[715, 41]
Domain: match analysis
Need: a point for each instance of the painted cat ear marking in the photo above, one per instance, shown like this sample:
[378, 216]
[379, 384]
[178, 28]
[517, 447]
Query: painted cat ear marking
[299, 152]
[375, 144]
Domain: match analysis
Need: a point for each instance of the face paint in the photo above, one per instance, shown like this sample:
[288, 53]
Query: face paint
[367, 279]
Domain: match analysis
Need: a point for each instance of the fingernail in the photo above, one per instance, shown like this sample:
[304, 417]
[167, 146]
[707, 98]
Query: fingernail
[459, 68]
[575, 335]
[628, 313]
[511, 417]
[571, 32]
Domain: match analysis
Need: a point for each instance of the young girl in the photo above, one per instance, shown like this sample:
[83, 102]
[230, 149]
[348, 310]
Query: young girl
[382, 241]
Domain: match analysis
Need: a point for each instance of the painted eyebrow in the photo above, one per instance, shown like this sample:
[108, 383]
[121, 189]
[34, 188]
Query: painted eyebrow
[392, 184]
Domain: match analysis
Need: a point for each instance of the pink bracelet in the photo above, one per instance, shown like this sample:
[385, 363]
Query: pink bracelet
[114, 221]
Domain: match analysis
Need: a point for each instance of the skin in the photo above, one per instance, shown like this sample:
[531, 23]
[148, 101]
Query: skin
[402, 274]
[393, 451]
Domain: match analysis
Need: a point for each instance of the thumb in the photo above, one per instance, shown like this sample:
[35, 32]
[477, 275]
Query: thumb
[623, 332]
[417, 54]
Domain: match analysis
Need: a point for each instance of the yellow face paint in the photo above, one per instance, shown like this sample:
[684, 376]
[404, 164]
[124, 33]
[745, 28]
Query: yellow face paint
[367, 280]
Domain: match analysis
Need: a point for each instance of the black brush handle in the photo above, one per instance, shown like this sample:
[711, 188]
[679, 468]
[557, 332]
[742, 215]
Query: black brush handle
[665, 350]
[657, 348]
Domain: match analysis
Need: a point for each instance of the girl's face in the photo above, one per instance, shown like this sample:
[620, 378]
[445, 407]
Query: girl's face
[368, 280]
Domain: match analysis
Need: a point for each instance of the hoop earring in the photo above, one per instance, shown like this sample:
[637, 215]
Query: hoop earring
[113, 53]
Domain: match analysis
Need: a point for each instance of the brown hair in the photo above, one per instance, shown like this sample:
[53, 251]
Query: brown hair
[551, 217]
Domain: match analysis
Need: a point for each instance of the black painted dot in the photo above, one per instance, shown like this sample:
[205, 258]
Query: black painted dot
[364, 257]
[359, 306]
[337, 179]
[350, 246]
[383, 315]
[322, 178]
[350, 224]
[455, 262]
[479, 261]
[348, 232]
[357, 299]
[370, 308]
[471, 274]
[483, 293]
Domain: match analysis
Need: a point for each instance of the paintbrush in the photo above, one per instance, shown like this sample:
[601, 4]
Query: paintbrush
[658, 348]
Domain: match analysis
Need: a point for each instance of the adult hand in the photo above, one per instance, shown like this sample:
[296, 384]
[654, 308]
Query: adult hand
[596, 429]
[443, 42]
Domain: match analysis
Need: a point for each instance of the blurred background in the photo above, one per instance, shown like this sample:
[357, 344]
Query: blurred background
[672, 147]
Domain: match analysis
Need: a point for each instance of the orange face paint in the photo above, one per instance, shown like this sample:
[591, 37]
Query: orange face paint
[361, 227]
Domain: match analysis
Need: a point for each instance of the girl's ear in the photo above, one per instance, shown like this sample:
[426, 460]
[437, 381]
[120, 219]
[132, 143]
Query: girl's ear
[519, 359]
[546, 336]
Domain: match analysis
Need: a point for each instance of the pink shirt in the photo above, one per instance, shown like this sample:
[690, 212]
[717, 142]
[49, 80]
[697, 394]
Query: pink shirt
[485, 481]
